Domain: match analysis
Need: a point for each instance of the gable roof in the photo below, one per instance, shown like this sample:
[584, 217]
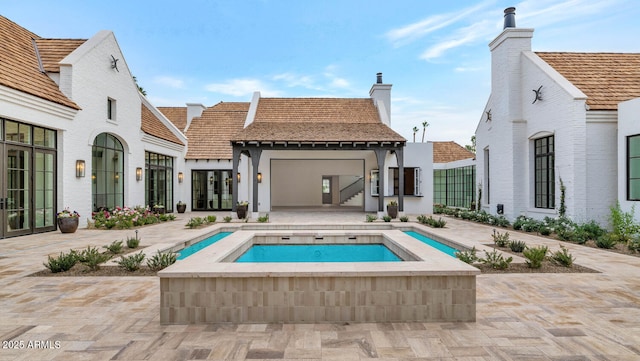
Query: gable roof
[210, 133]
[445, 152]
[151, 125]
[606, 78]
[20, 67]
[317, 120]
[52, 51]
[177, 116]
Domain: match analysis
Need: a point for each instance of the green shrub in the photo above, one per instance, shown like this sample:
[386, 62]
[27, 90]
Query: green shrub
[517, 246]
[211, 219]
[501, 221]
[531, 225]
[496, 260]
[591, 230]
[133, 242]
[469, 256]
[371, 217]
[227, 219]
[519, 222]
[264, 219]
[544, 230]
[404, 219]
[430, 221]
[131, 263]
[386, 218]
[634, 244]
[500, 239]
[62, 263]
[92, 258]
[125, 217]
[562, 257]
[608, 240]
[161, 260]
[535, 255]
[115, 247]
[623, 223]
[195, 222]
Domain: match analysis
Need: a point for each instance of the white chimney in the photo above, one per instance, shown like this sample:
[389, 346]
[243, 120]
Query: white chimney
[194, 110]
[381, 95]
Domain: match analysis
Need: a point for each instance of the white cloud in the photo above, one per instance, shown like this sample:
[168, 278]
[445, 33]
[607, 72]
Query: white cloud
[242, 87]
[292, 80]
[463, 36]
[169, 81]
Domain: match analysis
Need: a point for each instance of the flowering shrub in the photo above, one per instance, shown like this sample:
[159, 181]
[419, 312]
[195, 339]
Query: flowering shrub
[125, 217]
[66, 213]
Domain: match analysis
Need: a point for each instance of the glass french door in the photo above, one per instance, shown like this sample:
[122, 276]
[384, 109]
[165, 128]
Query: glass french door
[211, 190]
[16, 189]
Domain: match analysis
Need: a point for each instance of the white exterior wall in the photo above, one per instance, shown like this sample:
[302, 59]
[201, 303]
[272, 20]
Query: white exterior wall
[628, 124]
[244, 168]
[416, 155]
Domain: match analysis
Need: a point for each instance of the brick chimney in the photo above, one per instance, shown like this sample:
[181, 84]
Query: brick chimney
[381, 95]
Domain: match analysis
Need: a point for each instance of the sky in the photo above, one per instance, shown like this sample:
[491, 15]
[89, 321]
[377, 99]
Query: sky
[435, 53]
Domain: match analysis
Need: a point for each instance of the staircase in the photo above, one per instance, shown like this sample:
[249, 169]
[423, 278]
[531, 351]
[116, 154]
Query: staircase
[353, 194]
[354, 201]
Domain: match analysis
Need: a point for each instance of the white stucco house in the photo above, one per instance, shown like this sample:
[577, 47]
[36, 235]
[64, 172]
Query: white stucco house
[558, 117]
[75, 132]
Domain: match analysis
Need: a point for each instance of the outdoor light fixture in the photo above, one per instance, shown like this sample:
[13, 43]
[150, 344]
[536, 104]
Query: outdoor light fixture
[79, 168]
[238, 177]
[138, 174]
[117, 177]
[259, 177]
[211, 180]
[180, 177]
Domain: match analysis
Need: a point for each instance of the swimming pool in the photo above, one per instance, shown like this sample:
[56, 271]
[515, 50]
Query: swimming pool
[318, 253]
[433, 243]
[188, 251]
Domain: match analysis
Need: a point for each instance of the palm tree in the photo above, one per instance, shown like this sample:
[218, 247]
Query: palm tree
[415, 130]
[425, 124]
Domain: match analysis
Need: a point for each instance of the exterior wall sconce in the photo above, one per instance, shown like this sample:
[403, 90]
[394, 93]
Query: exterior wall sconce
[80, 168]
[238, 177]
[211, 180]
[180, 177]
[117, 177]
[94, 178]
[138, 174]
[259, 177]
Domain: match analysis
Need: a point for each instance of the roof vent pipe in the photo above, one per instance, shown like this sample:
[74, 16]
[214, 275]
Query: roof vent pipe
[509, 18]
[379, 78]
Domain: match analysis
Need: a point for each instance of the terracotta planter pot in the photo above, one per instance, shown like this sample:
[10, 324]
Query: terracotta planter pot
[392, 211]
[241, 211]
[68, 224]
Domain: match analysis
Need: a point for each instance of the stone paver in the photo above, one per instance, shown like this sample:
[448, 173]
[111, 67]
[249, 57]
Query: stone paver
[589, 316]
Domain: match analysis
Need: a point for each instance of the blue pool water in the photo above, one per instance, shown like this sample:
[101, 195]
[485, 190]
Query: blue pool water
[433, 243]
[188, 251]
[318, 253]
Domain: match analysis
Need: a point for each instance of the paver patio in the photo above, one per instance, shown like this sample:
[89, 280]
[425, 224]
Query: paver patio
[578, 316]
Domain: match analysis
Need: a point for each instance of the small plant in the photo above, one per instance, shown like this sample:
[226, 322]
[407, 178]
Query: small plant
[114, 248]
[386, 218]
[404, 219]
[161, 260]
[133, 242]
[195, 222]
[535, 255]
[131, 263]
[62, 263]
[634, 244]
[608, 240]
[92, 258]
[500, 239]
[544, 230]
[392, 203]
[496, 260]
[264, 219]
[517, 246]
[562, 257]
[371, 217]
[227, 219]
[469, 256]
[430, 221]
[623, 222]
[592, 230]
[211, 219]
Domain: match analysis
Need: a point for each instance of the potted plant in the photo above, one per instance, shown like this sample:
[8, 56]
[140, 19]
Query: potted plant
[181, 207]
[241, 209]
[68, 221]
[158, 208]
[392, 209]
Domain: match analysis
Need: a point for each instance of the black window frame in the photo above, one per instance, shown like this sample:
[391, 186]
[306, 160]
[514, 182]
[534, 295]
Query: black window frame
[544, 172]
[630, 179]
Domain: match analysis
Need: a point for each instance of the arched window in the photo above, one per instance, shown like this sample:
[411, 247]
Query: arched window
[107, 174]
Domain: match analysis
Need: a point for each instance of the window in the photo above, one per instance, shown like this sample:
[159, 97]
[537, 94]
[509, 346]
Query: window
[375, 182]
[544, 173]
[111, 109]
[487, 177]
[107, 172]
[411, 181]
[211, 190]
[454, 187]
[633, 168]
[158, 181]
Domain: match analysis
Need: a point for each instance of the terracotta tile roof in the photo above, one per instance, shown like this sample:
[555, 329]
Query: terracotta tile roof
[209, 135]
[19, 66]
[177, 116]
[445, 152]
[317, 120]
[52, 51]
[606, 78]
[151, 125]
